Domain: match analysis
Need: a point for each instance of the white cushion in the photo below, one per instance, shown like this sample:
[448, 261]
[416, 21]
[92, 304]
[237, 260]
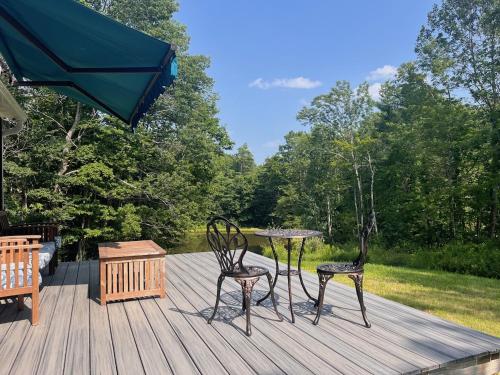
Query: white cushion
[12, 277]
[46, 253]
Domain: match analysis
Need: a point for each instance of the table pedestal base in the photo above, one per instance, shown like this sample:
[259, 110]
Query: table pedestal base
[289, 273]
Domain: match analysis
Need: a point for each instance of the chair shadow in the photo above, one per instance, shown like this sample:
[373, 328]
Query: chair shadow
[306, 309]
[230, 307]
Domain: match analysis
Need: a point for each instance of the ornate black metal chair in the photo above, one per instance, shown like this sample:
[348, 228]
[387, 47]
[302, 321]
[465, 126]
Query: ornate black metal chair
[226, 241]
[353, 270]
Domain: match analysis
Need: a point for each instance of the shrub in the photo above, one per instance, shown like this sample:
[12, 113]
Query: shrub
[467, 258]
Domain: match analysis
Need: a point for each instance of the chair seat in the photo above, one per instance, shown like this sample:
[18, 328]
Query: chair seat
[332, 268]
[248, 271]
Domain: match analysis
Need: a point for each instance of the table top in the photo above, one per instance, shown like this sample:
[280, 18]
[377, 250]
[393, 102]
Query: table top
[288, 233]
[109, 250]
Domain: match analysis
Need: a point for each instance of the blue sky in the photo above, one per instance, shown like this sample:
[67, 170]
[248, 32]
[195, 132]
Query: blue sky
[270, 57]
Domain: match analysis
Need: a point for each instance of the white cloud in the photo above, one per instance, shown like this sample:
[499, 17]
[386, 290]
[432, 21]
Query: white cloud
[382, 74]
[289, 83]
[374, 90]
[272, 144]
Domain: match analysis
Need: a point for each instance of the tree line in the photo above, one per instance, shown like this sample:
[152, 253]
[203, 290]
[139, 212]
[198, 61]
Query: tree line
[426, 161]
[425, 157]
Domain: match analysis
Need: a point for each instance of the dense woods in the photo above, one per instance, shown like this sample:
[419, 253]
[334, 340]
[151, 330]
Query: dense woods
[425, 157]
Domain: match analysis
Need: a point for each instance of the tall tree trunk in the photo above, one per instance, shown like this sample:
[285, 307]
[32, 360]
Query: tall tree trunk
[81, 244]
[25, 199]
[372, 195]
[355, 166]
[359, 190]
[357, 210]
[68, 143]
[495, 171]
[329, 218]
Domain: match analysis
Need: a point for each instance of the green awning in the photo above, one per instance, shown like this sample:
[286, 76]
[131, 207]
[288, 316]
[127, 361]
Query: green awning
[85, 55]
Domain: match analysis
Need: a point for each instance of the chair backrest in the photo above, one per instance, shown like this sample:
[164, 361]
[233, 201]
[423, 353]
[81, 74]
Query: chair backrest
[226, 240]
[363, 241]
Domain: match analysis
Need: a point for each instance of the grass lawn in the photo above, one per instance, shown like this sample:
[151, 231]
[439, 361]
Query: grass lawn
[468, 300]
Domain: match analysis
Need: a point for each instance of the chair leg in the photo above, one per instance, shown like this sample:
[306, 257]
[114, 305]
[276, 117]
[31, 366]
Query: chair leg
[35, 301]
[243, 301]
[271, 289]
[323, 280]
[247, 287]
[20, 302]
[219, 285]
[358, 282]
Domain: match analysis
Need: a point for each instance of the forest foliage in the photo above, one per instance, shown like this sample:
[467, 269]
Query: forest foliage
[425, 159]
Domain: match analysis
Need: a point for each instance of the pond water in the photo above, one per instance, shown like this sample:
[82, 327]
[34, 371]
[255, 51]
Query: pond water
[197, 242]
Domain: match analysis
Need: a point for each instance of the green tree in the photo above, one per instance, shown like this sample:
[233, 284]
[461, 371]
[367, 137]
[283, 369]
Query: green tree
[341, 112]
[101, 181]
[430, 175]
[460, 47]
[243, 160]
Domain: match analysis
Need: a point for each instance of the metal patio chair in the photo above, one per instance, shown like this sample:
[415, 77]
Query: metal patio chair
[353, 270]
[229, 245]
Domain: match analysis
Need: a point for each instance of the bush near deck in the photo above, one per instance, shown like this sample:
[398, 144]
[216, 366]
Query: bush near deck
[474, 259]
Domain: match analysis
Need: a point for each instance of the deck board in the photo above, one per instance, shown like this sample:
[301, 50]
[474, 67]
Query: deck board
[78, 336]
[341, 350]
[78, 351]
[52, 358]
[17, 325]
[125, 348]
[101, 349]
[282, 335]
[33, 339]
[398, 318]
[279, 357]
[178, 358]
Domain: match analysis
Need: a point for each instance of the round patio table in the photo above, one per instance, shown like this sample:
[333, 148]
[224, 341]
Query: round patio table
[288, 235]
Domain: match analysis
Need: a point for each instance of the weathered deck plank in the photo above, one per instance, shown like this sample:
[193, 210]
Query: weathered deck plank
[330, 348]
[434, 334]
[52, 357]
[178, 358]
[128, 360]
[78, 336]
[260, 353]
[152, 357]
[263, 320]
[204, 358]
[32, 339]
[78, 351]
[17, 325]
[102, 356]
[228, 357]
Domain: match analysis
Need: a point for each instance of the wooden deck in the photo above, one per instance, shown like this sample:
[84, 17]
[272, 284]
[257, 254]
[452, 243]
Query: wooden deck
[163, 336]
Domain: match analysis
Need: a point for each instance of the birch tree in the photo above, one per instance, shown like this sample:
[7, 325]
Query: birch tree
[342, 111]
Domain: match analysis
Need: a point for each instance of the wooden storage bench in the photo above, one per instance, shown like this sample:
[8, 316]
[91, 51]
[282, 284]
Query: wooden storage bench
[131, 269]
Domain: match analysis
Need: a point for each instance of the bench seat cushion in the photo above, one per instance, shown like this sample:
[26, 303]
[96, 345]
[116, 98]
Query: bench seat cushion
[46, 253]
[12, 277]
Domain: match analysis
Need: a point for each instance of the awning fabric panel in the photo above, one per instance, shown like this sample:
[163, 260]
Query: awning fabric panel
[82, 38]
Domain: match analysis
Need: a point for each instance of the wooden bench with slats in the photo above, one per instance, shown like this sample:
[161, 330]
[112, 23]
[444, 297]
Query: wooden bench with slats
[19, 270]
